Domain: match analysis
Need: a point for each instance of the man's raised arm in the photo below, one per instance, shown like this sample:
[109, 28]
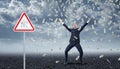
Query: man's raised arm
[64, 25]
[84, 25]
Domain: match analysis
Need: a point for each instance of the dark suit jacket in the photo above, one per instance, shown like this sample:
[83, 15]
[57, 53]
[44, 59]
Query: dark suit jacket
[75, 33]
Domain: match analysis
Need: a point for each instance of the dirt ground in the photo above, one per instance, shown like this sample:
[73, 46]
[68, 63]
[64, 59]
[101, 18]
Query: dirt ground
[56, 62]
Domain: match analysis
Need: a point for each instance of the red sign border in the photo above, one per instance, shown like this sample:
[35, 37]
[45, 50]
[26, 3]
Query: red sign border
[24, 30]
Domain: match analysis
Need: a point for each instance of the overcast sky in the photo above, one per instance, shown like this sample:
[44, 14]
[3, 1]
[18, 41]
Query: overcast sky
[101, 34]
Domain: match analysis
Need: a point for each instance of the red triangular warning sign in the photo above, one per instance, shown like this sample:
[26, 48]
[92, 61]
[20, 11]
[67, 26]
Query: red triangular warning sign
[24, 24]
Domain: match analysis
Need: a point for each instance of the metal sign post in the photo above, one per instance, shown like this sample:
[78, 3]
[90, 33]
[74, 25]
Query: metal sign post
[24, 54]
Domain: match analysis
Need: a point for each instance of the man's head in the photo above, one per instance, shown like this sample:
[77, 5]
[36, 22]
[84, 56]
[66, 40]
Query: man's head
[75, 25]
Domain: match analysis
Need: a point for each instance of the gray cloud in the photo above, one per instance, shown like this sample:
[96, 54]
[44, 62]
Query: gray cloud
[104, 26]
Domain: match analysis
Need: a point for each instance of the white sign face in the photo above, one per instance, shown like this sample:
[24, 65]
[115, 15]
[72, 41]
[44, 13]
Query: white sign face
[24, 24]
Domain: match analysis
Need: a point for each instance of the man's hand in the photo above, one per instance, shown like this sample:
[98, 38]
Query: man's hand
[60, 20]
[88, 20]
